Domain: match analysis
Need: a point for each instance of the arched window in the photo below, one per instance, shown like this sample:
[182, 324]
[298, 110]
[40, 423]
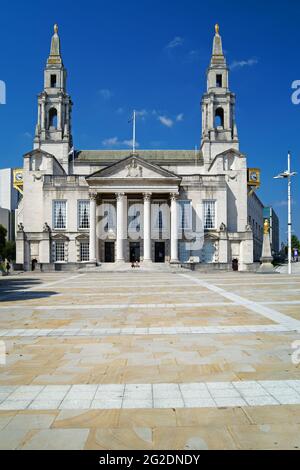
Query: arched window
[53, 118]
[219, 117]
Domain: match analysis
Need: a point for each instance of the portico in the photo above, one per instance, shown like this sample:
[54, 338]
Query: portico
[129, 181]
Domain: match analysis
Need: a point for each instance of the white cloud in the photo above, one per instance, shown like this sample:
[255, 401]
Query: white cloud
[105, 93]
[176, 42]
[283, 203]
[27, 135]
[193, 55]
[110, 142]
[115, 142]
[165, 121]
[142, 113]
[179, 117]
[243, 63]
[129, 143]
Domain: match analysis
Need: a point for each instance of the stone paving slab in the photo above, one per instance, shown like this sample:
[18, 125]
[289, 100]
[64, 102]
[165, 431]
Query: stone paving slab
[167, 395]
[149, 360]
[98, 332]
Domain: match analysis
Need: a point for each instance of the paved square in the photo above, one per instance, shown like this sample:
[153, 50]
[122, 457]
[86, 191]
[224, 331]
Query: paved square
[149, 360]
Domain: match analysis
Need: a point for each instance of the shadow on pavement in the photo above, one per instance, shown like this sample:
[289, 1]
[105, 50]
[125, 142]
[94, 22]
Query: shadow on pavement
[16, 289]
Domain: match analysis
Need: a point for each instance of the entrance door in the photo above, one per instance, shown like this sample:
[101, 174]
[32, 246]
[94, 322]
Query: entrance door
[159, 252]
[109, 254]
[134, 252]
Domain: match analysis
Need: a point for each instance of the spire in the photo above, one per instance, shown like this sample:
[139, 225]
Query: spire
[217, 54]
[219, 131]
[55, 57]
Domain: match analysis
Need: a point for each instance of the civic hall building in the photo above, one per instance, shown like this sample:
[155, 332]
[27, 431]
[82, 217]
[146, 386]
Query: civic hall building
[154, 206]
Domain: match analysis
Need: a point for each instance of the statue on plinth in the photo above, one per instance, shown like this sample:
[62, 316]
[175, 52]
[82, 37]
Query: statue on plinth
[266, 256]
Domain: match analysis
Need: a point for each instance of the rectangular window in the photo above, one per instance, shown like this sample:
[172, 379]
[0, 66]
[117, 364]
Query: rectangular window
[219, 81]
[159, 216]
[134, 216]
[84, 214]
[59, 214]
[185, 215]
[53, 81]
[59, 251]
[84, 251]
[109, 214]
[209, 214]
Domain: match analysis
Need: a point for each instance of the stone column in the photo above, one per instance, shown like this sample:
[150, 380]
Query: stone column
[174, 228]
[59, 120]
[43, 120]
[20, 247]
[147, 226]
[44, 250]
[39, 115]
[98, 234]
[93, 197]
[120, 226]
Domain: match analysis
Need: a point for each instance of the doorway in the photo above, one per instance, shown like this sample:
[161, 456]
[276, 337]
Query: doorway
[109, 252]
[134, 252]
[159, 252]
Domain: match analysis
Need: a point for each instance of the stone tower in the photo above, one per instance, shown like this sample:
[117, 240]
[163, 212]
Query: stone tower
[53, 129]
[219, 132]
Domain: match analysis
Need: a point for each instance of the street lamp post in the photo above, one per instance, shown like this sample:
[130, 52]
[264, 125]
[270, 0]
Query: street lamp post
[288, 174]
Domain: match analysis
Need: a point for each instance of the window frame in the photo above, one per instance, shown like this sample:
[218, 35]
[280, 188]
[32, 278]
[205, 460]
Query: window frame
[53, 214]
[62, 243]
[215, 214]
[53, 75]
[84, 242]
[78, 214]
[110, 217]
[219, 83]
[181, 203]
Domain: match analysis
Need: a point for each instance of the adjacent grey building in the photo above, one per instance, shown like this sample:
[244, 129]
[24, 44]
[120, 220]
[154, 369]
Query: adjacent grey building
[271, 215]
[256, 222]
[9, 198]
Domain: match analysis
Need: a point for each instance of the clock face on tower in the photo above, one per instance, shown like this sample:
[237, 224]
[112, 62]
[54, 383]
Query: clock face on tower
[253, 176]
[19, 177]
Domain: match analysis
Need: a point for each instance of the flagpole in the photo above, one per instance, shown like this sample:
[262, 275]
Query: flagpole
[289, 217]
[133, 133]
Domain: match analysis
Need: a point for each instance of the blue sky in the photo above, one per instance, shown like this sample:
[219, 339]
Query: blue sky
[152, 56]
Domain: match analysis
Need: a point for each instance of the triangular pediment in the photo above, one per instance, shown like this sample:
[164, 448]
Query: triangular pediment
[226, 160]
[38, 152]
[60, 237]
[133, 168]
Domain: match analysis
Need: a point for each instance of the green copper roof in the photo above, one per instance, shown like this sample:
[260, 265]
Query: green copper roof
[164, 156]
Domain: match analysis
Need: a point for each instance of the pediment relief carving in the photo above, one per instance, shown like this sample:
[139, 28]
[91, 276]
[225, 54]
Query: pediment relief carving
[133, 168]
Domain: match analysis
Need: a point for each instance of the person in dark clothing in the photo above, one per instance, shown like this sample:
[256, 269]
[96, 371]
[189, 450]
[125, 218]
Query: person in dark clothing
[235, 264]
[33, 264]
[7, 267]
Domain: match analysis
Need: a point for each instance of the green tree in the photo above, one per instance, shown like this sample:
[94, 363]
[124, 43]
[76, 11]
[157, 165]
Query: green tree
[295, 242]
[9, 250]
[3, 233]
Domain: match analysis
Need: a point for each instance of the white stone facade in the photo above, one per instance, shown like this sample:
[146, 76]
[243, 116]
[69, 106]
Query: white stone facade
[256, 222]
[118, 206]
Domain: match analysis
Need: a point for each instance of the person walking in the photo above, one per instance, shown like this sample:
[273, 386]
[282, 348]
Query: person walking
[7, 267]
